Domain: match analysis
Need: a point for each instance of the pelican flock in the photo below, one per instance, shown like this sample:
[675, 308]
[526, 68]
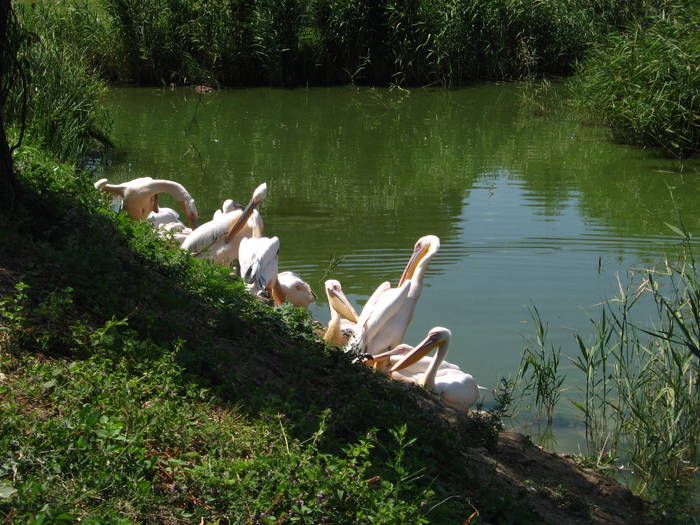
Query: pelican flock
[376, 335]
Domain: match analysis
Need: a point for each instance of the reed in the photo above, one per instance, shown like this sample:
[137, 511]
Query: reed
[544, 380]
[641, 401]
[645, 83]
[288, 42]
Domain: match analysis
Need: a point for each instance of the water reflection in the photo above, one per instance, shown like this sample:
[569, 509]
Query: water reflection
[530, 210]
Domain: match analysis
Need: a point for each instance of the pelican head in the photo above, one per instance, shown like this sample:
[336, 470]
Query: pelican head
[189, 208]
[436, 337]
[259, 195]
[338, 301]
[424, 249]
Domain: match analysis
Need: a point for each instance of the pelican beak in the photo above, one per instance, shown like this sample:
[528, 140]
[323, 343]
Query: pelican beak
[412, 263]
[341, 305]
[382, 359]
[258, 196]
[155, 203]
[423, 348]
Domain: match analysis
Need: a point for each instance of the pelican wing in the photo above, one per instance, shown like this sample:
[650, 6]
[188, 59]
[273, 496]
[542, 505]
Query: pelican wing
[384, 308]
[369, 306]
[204, 237]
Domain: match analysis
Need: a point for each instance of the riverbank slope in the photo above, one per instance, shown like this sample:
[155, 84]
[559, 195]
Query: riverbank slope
[139, 384]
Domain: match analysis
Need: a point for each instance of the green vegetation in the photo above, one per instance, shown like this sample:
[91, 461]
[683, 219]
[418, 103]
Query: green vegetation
[645, 83]
[62, 90]
[287, 42]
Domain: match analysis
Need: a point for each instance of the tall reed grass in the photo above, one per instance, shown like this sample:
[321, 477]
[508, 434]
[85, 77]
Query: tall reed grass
[640, 398]
[378, 42]
[645, 83]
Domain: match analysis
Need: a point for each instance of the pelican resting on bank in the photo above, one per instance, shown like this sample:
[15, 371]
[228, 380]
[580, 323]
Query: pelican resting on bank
[295, 290]
[387, 314]
[455, 388]
[163, 216]
[140, 196]
[219, 239]
[258, 259]
[341, 310]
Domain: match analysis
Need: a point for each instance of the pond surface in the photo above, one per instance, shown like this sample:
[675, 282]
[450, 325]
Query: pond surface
[531, 207]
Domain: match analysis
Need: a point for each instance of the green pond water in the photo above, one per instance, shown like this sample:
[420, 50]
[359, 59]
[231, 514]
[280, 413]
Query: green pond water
[531, 207]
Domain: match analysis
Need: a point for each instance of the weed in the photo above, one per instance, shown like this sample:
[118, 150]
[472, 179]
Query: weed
[544, 379]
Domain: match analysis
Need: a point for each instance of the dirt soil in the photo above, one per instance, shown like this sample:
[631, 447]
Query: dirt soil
[556, 487]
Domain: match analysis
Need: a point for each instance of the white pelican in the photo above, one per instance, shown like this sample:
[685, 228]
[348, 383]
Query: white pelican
[455, 388]
[140, 196]
[163, 216]
[341, 309]
[227, 207]
[295, 289]
[220, 238]
[386, 316]
[258, 259]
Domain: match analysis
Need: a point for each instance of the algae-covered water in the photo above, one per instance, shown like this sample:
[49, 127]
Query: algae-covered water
[532, 208]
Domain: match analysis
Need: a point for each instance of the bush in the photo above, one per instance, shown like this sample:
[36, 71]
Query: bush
[64, 111]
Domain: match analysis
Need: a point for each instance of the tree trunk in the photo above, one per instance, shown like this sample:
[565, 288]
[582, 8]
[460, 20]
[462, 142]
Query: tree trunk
[7, 174]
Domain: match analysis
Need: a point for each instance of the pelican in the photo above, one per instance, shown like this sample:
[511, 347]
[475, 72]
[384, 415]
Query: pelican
[220, 238]
[140, 196]
[226, 207]
[258, 258]
[455, 388]
[341, 309]
[386, 316]
[163, 216]
[295, 289]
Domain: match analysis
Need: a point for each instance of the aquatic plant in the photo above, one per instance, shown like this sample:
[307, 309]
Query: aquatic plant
[542, 362]
[645, 83]
[641, 400]
[286, 42]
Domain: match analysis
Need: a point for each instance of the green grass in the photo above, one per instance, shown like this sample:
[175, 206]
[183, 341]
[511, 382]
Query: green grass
[140, 384]
[645, 83]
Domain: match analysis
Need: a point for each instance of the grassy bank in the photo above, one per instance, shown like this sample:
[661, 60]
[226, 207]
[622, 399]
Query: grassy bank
[645, 83]
[141, 384]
